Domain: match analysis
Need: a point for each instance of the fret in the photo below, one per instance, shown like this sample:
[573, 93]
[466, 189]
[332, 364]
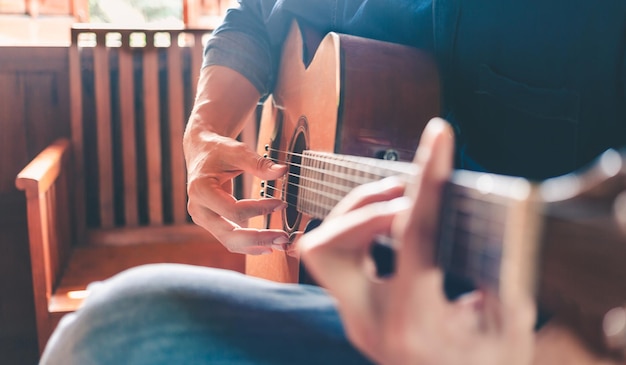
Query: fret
[326, 199]
[477, 209]
[305, 196]
[475, 229]
[329, 177]
[474, 225]
[319, 180]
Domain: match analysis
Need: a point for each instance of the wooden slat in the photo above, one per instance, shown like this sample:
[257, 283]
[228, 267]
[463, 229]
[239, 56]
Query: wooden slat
[196, 59]
[152, 129]
[42, 288]
[44, 251]
[80, 10]
[54, 255]
[65, 218]
[191, 11]
[54, 7]
[13, 135]
[32, 8]
[103, 126]
[128, 130]
[176, 117]
[76, 125]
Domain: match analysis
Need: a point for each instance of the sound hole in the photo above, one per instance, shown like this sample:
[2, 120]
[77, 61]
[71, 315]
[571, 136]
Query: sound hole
[292, 216]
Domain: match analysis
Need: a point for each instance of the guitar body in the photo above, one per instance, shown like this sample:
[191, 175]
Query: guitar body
[357, 97]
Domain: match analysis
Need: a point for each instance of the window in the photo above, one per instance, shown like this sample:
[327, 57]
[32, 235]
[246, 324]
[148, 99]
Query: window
[166, 13]
[50, 20]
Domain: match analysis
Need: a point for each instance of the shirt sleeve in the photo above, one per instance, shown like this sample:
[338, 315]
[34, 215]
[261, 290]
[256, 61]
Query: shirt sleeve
[242, 43]
[250, 38]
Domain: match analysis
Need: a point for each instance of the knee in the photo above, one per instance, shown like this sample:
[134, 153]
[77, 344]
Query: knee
[136, 304]
[149, 287]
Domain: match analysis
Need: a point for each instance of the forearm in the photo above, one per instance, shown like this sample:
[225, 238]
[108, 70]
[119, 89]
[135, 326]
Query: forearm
[224, 102]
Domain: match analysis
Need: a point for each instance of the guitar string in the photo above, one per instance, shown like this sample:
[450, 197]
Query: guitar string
[373, 171]
[335, 199]
[342, 182]
[343, 188]
[327, 207]
[471, 258]
[338, 187]
[350, 161]
[372, 177]
[461, 261]
[473, 238]
[405, 150]
[321, 193]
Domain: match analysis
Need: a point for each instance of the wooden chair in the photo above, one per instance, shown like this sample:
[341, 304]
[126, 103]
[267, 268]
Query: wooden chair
[113, 196]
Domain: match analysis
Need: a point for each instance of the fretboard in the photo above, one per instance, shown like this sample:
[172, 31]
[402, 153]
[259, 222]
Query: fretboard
[477, 215]
[326, 178]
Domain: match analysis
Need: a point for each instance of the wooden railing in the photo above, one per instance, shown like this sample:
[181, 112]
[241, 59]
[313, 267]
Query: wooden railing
[113, 195]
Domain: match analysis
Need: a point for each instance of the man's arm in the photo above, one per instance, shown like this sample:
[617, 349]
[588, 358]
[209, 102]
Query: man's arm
[224, 102]
[240, 64]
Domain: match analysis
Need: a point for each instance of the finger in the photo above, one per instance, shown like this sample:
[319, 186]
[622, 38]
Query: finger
[252, 241]
[336, 253]
[417, 229]
[518, 320]
[480, 312]
[208, 192]
[491, 314]
[241, 156]
[466, 312]
[383, 190]
[235, 238]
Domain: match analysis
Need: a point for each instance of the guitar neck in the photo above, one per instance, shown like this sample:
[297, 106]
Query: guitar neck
[485, 219]
[326, 178]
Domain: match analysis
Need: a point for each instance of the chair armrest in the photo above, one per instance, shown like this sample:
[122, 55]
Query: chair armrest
[43, 170]
[46, 182]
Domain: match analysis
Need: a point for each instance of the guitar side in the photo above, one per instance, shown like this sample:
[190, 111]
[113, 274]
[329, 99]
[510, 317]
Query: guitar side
[357, 96]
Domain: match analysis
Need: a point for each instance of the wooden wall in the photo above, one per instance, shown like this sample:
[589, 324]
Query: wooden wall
[34, 110]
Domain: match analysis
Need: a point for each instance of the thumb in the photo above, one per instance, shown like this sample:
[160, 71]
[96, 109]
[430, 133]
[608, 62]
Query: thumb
[249, 161]
[418, 228]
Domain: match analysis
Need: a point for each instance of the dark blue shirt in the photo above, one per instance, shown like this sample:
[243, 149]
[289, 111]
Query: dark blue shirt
[534, 87]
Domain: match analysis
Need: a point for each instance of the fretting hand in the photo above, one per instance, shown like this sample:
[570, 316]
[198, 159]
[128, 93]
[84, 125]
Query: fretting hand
[407, 319]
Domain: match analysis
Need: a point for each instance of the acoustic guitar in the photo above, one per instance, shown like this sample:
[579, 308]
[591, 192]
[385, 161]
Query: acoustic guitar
[348, 95]
[351, 111]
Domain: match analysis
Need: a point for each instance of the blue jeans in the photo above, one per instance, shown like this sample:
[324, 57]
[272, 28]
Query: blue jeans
[178, 314]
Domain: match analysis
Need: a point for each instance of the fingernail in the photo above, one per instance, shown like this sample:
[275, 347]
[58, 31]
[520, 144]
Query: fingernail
[443, 151]
[266, 252]
[433, 128]
[432, 150]
[280, 207]
[277, 167]
[398, 205]
[280, 240]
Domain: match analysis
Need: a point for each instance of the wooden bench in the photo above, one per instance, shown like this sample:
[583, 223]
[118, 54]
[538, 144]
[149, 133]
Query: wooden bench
[113, 196]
